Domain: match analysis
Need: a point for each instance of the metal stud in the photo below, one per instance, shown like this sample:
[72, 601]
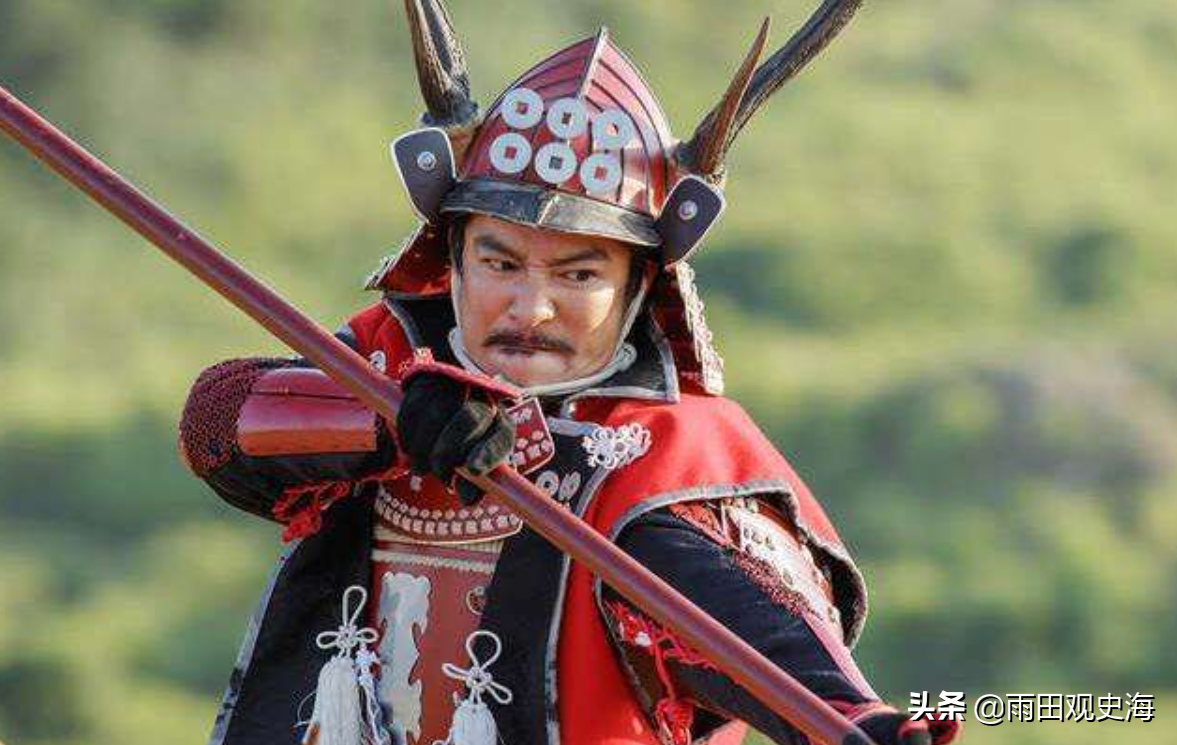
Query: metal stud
[688, 210]
[426, 160]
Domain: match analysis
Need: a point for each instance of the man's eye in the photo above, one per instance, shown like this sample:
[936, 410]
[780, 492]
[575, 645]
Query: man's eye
[580, 276]
[499, 265]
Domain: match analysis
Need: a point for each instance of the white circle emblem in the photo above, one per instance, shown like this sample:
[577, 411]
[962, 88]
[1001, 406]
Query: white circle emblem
[601, 173]
[510, 152]
[567, 118]
[555, 162]
[522, 108]
[612, 130]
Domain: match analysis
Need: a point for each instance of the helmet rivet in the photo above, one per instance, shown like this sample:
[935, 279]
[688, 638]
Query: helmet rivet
[426, 161]
[687, 210]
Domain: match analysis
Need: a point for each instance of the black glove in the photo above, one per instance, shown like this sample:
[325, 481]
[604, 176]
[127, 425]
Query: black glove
[896, 728]
[444, 424]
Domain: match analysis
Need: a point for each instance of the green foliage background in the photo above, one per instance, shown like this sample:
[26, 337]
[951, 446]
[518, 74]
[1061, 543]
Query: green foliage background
[946, 287]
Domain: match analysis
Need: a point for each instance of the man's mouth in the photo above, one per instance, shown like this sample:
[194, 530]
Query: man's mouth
[520, 351]
[527, 345]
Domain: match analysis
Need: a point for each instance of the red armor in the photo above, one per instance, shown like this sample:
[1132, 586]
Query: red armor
[579, 144]
[427, 601]
[661, 464]
[736, 460]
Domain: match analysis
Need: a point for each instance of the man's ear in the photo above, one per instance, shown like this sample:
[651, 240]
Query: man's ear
[456, 239]
[650, 270]
[642, 270]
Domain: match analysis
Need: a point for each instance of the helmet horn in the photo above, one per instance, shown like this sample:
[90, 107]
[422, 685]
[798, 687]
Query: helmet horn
[441, 68]
[704, 154]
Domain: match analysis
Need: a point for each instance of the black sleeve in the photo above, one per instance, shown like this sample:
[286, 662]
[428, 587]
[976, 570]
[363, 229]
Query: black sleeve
[709, 575]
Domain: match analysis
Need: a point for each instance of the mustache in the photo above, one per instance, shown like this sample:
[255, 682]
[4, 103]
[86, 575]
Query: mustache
[528, 341]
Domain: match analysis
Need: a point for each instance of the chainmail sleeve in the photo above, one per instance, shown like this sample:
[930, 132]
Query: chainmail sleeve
[208, 426]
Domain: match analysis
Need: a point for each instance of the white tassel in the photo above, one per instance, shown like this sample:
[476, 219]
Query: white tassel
[473, 724]
[336, 719]
[341, 699]
[366, 662]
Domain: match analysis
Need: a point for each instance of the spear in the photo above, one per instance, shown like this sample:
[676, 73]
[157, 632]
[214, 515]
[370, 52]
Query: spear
[730, 654]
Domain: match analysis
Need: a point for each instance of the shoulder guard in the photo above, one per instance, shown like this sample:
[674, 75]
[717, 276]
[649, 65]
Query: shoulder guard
[768, 546]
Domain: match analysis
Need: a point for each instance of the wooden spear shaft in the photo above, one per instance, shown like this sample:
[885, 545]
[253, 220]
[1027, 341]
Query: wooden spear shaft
[768, 683]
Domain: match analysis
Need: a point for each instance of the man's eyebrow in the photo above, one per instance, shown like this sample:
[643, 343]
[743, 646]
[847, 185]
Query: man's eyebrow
[490, 243]
[592, 253]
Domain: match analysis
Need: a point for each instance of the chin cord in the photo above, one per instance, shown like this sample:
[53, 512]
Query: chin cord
[624, 355]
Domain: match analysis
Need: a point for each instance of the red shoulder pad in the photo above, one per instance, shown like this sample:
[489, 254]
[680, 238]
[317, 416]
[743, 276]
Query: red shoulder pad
[302, 411]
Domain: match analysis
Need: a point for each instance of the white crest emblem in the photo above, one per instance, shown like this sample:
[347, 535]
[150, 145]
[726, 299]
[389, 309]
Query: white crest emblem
[614, 447]
[568, 118]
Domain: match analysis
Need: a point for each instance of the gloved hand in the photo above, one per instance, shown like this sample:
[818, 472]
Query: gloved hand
[899, 729]
[451, 419]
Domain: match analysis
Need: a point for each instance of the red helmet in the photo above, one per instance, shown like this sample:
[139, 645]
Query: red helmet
[579, 144]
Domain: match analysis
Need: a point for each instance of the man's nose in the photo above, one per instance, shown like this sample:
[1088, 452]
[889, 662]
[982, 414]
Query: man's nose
[532, 303]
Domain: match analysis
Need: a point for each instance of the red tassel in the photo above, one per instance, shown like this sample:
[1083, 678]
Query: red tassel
[674, 715]
[300, 508]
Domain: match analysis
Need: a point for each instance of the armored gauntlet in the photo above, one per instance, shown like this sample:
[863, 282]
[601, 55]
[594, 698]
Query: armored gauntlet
[451, 419]
[284, 441]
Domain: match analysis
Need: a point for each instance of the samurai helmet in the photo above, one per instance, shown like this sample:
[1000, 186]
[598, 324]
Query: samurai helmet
[579, 144]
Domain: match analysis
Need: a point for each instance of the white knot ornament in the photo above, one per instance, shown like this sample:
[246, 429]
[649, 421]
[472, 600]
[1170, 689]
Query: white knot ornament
[346, 711]
[348, 636]
[614, 447]
[473, 723]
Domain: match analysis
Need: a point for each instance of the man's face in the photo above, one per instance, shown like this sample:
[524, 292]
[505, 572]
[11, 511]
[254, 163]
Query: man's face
[539, 306]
